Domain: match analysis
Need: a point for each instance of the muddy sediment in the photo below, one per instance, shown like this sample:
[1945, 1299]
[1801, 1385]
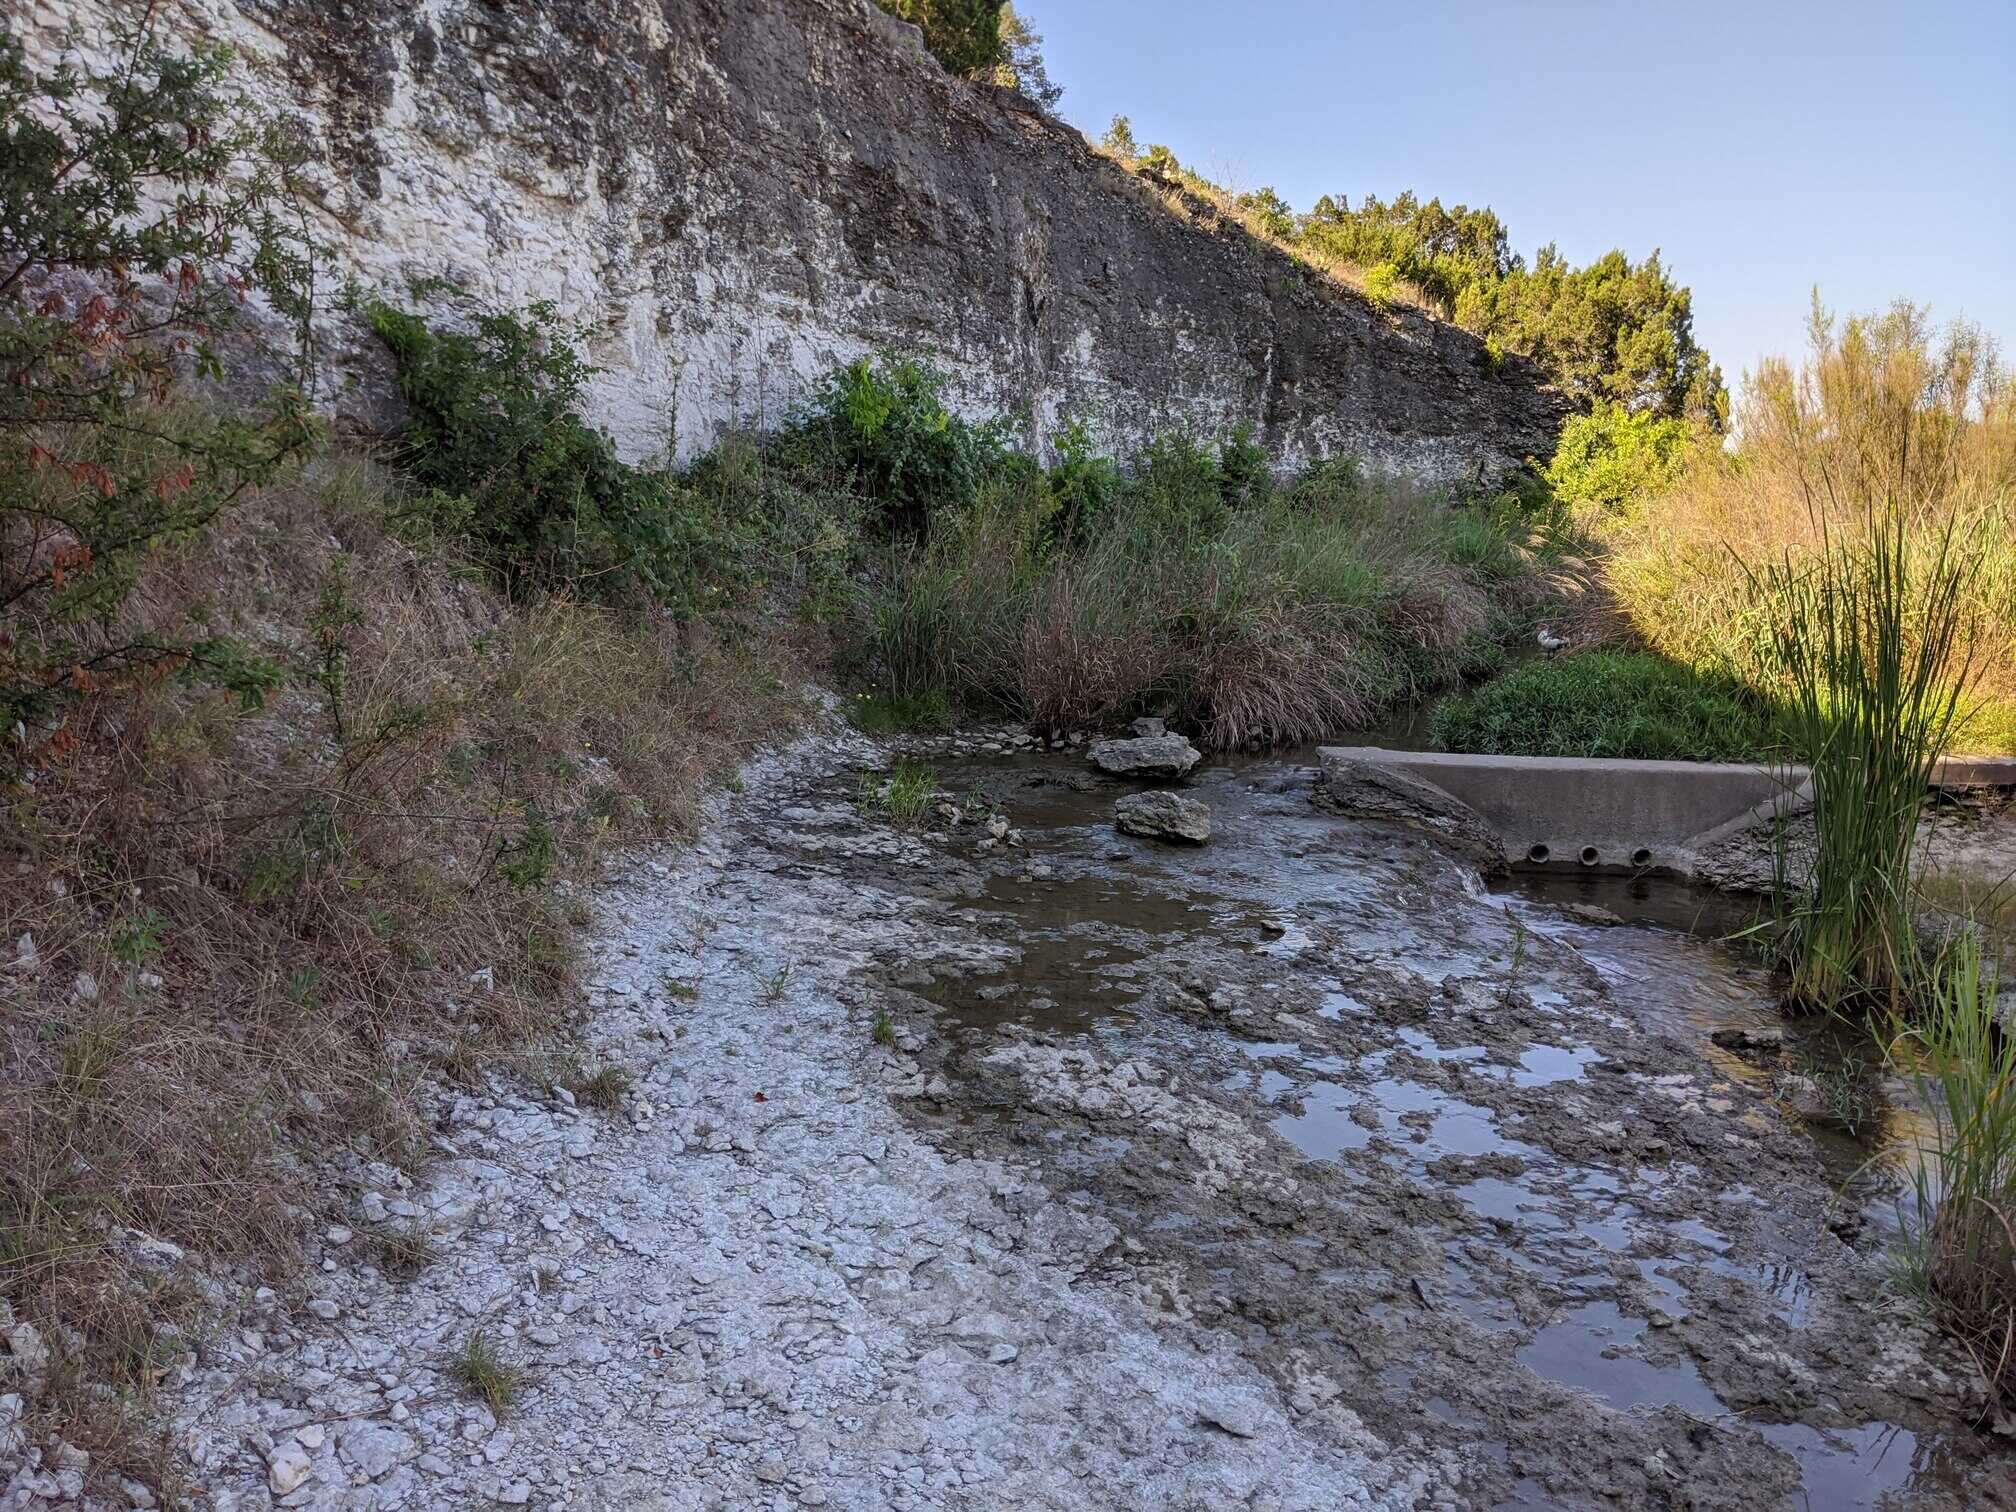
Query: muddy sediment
[1467, 1164]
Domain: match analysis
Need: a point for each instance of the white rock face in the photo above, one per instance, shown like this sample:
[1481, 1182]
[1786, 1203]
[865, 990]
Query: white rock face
[733, 198]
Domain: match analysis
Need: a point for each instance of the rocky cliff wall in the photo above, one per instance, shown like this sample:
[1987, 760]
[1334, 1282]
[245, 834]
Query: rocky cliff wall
[735, 194]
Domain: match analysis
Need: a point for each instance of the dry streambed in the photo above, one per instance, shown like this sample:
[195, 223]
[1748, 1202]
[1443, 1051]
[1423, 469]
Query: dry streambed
[1292, 1171]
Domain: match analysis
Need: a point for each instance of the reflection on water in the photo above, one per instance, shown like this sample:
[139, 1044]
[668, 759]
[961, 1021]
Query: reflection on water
[1087, 908]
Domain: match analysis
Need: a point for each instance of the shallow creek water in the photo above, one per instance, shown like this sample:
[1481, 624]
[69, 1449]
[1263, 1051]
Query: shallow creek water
[1469, 1156]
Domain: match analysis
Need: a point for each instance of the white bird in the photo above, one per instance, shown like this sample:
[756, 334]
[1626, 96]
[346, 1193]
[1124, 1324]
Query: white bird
[1549, 641]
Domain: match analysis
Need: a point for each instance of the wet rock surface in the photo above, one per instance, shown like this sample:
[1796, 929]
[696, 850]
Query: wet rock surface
[1163, 816]
[1299, 1171]
[1470, 1164]
[754, 1284]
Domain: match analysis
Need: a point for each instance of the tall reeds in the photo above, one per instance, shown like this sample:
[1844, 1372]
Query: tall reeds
[1960, 1233]
[1874, 653]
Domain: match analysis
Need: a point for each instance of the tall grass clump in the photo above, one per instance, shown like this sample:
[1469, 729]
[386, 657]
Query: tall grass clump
[1959, 1252]
[1875, 650]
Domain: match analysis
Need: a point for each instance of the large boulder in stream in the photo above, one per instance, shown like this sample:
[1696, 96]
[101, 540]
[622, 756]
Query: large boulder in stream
[1158, 758]
[1163, 815]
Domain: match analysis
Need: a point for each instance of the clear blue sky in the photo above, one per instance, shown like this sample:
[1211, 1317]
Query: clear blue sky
[1763, 146]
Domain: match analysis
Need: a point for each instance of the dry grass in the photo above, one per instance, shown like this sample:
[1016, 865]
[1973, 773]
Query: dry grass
[485, 1374]
[296, 916]
[1885, 408]
[1297, 620]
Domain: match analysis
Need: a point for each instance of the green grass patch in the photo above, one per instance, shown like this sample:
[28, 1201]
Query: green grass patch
[899, 713]
[903, 796]
[1608, 703]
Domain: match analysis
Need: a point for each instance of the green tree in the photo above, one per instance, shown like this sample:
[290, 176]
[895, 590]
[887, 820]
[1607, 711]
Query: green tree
[964, 35]
[139, 209]
[1613, 331]
[1119, 138]
[1021, 66]
[1615, 457]
[1616, 331]
[1269, 213]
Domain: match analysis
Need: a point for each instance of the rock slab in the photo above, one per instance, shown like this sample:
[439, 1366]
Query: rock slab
[1155, 757]
[1163, 816]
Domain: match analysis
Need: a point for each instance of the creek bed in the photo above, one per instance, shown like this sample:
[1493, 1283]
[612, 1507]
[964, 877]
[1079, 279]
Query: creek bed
[1464, 1165]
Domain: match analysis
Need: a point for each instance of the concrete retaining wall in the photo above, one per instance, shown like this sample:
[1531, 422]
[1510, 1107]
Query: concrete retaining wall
[1587, 812]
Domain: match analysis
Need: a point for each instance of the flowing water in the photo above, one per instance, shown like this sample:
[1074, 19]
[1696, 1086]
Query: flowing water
[1482, 1158]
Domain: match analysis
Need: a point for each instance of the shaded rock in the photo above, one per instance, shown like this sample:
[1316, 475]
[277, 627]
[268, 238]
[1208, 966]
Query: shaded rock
[1590, 913]
[1147, 729]
[1367, 790]
[1163, 757]
[1769, 1041]
[1163, 816]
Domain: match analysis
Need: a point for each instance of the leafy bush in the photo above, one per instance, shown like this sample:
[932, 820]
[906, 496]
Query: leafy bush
[1607, 703]
[1614, 457]
[138, 209]
[887, 421]
[1191, 486]
[964, 35]
[494, 427]
[1083, 485]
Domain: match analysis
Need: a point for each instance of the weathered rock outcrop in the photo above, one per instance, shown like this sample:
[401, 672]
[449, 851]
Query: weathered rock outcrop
[735, 193]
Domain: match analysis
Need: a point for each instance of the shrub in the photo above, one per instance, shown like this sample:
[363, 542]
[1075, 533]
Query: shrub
[1885, 407]
[1614, 457]
[1607, 703]
[886, 420]
[138, 209]
[964, 35]
[1119, 139]
[494, 427]
[1084, 486]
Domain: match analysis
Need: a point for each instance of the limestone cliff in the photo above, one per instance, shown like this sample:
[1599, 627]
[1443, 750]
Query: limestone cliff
[736, 193]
